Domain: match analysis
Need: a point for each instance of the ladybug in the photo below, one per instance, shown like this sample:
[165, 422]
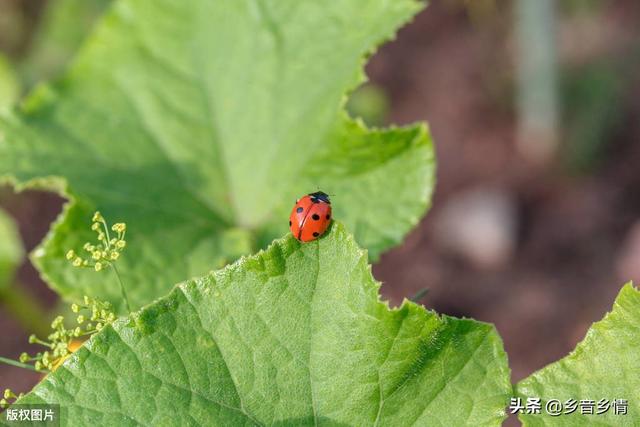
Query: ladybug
[310, 216]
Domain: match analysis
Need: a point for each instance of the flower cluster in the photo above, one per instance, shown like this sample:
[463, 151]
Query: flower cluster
[8, 397]
[62, 341]
[92, 314]
[106, 251]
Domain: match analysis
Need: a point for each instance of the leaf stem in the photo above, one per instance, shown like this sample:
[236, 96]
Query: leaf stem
[17, 364]
[122, 289]
[419, 295]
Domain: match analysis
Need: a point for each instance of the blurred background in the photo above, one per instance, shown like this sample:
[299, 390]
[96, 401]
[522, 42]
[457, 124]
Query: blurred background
[535, 109]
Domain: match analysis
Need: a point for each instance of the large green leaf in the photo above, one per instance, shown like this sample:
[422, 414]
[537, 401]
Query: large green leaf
[199, 122]
[295, 335]
[603, 366]
[11, 251]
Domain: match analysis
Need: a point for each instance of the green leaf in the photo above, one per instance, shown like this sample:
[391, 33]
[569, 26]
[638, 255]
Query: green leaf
[191, 120]
[603, 366]
[11, 251]
[295, 335]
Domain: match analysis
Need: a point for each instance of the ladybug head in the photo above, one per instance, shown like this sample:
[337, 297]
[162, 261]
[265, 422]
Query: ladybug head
[319, 196]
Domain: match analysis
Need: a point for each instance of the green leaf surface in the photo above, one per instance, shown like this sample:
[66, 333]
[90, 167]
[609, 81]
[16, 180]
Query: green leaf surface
[295, 335]
[11, 251]
[603, 366]
[195, 119]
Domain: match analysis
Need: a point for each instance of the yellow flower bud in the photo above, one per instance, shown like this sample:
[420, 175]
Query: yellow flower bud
[57, 322]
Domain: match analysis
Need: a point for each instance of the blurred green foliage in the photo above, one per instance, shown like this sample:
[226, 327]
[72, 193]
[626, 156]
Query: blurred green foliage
[37, 39]
[11, 250]
[370, 103]
[9, 85]
[18, 302]
[593, 104]
[64, 25]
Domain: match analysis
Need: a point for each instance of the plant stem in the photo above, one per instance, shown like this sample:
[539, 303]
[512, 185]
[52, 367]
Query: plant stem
[537, 97]
[17, 364]
[419, 295]
[122, 289]
[25, 309]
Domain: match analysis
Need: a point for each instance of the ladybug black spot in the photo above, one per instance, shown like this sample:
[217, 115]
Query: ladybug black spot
[328, 216]
[315, 234]
[299, 210]
[315, 217]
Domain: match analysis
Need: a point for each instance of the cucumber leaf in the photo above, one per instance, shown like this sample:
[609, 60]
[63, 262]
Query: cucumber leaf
[198, 123]
[603, 366]
[295, 335]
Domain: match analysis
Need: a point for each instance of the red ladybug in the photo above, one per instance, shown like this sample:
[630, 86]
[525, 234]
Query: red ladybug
[310, 216]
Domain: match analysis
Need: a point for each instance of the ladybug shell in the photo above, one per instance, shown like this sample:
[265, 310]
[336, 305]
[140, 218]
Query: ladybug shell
[310, 217]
